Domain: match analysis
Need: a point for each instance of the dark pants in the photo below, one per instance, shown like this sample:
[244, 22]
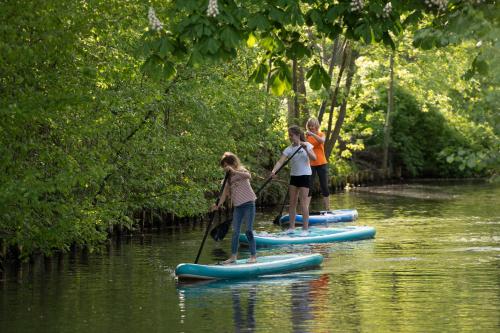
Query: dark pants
[322, 171]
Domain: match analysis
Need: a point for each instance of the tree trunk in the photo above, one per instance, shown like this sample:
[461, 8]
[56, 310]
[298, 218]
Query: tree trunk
[293, 103]
[390, 110]
[295, 88]
[335, 52]
[303, 111]
[269, 75]
[345, 56]
[297, 108]
[343, 108]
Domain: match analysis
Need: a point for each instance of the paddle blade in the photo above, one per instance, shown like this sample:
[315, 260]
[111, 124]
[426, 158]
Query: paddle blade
[277, 220]
[219, 231]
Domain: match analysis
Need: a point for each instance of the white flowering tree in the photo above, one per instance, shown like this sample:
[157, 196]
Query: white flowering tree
[289, 33]
[213, 30]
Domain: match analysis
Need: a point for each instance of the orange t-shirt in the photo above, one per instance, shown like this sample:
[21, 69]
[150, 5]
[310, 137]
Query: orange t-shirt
[319, 150]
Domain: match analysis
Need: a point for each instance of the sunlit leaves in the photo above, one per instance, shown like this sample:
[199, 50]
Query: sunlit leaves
[258, 22]
[467, 160]
[273, 26]
[251, 40]
[230, 37]
[297, 51]
[85, 97]
[260, 73]
[271, 43]
[158, 68]
[318, 77]
[281, 78]
[209, 45]
[166, 47]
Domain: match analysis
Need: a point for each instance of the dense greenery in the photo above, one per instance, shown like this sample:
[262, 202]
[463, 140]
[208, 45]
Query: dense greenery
[439, 129]
[102, 117]
[86, 140]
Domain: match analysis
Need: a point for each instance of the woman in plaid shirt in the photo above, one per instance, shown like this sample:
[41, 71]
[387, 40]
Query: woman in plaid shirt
[243, 198]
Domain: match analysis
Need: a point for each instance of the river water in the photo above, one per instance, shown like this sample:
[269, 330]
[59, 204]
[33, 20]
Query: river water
[433, 266]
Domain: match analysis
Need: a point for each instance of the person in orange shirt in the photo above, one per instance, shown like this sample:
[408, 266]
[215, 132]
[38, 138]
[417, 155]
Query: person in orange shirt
[320, 165]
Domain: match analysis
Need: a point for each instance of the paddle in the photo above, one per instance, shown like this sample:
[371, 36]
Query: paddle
[277, 219]
[211, 218]
[219, 231]
[279, 169]
[320, 212]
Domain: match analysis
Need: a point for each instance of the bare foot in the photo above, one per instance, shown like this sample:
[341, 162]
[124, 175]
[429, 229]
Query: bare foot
[252, 260]
[229, 261]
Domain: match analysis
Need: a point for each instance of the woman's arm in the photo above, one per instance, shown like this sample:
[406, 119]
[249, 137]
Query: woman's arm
[223, 196]
[278, 164]
[318, 138]
[309, 151]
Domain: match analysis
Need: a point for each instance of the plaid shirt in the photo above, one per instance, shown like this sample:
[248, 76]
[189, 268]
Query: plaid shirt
[240, 188]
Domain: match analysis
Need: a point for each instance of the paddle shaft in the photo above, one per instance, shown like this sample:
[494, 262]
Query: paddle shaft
[211, 218]
[277, 219]
[279, 169]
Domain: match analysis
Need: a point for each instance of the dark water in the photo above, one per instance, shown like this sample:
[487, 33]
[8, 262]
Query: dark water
[434, 266]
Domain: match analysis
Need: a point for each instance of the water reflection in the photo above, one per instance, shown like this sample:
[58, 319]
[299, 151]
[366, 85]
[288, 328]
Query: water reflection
[243, 297]
[307, 297]
[244, 322]
[433, 267]
[302, 289]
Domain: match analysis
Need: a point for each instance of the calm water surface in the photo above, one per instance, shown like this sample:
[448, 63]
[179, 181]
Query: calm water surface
[434, 266]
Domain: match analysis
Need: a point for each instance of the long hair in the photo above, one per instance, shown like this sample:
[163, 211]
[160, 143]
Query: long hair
[232, 160]
[297, 131]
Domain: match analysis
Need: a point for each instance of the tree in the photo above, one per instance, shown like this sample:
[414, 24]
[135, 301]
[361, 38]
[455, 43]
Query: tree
[275, 26]
[286, 31]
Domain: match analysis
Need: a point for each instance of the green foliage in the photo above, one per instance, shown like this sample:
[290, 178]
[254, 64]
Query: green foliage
[94, 128]
[417, 136]
[318, 77]
[86, 139]
[281, 78]
[439, 113]
[283, 30]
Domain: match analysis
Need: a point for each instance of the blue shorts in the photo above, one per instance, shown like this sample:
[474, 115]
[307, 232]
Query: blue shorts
[300, 181]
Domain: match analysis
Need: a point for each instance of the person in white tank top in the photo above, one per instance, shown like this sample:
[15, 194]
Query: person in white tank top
[300, 173]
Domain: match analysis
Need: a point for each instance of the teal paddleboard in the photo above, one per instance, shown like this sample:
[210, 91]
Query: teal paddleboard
[266, 265]
[315, 235]
[327, 216]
